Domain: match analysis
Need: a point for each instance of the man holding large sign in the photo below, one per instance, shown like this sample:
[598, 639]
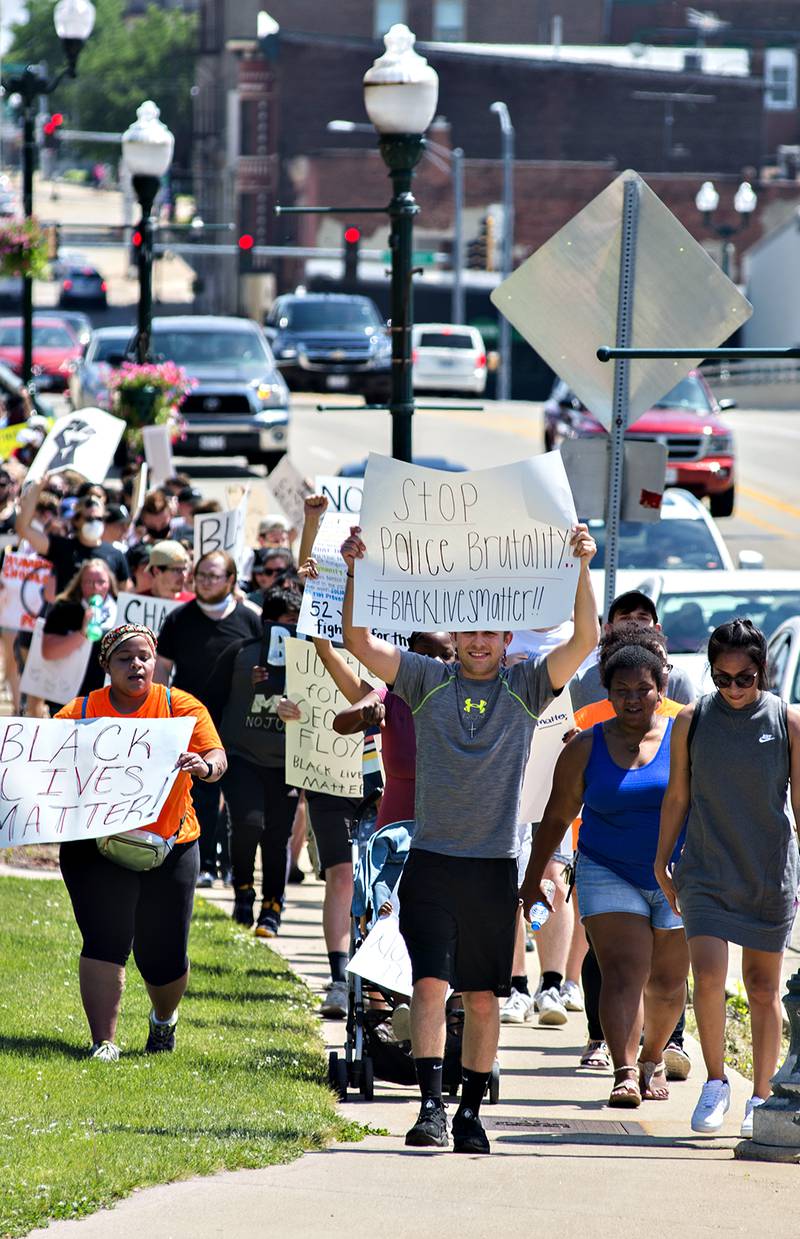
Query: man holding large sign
[474, 723]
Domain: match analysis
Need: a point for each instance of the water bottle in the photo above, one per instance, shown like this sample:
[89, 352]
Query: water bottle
[540, 913]
[94, 629]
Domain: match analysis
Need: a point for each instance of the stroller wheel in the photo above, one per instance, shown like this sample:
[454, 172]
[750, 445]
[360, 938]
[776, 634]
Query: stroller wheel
[337, 1075]
[494, 1084]
[367, 1079]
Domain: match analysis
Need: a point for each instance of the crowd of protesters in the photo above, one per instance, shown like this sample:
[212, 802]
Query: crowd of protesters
[661, 845]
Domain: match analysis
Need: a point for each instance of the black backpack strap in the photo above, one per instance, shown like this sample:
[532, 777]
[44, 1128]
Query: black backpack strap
[85, 706]
[695, 719]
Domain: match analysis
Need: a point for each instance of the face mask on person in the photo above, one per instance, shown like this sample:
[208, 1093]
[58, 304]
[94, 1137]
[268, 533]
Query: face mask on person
[93, 530]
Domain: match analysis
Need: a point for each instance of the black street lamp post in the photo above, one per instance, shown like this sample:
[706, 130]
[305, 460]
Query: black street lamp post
[400, 94]
[147, 147]
[74, 22]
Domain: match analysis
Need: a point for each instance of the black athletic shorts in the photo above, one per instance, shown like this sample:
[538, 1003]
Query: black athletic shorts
[118, 909]
[458, 916]
[329, 816]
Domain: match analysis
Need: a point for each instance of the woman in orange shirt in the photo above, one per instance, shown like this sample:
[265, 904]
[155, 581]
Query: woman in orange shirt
[119, 909]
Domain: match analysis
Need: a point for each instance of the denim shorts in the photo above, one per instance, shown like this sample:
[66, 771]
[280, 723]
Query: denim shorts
[600, 890]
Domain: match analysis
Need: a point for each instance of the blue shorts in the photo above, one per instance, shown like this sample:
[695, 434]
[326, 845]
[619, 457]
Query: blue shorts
[600, 890]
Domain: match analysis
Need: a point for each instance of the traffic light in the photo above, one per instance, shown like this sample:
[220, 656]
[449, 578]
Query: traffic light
[246, 242]
[489, 232]
[50, 129]
[352, 240]
[136, 247]
[481, 249]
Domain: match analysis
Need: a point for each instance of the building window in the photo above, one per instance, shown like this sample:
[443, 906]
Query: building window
[780, 78]
[449, 24]
[388, 13]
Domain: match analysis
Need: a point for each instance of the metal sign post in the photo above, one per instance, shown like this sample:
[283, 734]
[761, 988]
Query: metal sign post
[619, 422]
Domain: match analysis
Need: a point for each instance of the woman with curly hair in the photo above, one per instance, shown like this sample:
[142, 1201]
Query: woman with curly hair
[617, 773]
[735, 753]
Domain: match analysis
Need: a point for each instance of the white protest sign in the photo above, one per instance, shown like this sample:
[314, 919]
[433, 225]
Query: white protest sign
[383, 957]
[343, 494]
[321, 608]
[222, 531]
[64, 779]
[54, 679]
[316, 757]
[139, 490]
[144, 609]
[563, 299]
[290, 489]
[158, 453]
[488, 549]
[85, 441]
[23, 581]
[547, 746]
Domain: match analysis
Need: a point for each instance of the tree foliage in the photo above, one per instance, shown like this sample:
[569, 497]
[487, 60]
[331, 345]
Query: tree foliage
[126, 61]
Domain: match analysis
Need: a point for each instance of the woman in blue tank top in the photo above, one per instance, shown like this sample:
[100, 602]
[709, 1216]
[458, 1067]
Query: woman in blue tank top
[618, 772]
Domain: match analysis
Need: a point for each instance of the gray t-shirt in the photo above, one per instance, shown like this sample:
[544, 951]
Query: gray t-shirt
[585, 689]
[473, 741]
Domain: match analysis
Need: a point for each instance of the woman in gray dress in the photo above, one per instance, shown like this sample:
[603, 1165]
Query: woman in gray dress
[733, 755]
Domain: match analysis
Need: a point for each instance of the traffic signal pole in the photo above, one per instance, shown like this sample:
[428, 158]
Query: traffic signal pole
[28, 165]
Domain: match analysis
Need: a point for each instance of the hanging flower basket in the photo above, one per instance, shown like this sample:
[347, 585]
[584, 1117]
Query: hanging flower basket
[23, 249]
[150, 395]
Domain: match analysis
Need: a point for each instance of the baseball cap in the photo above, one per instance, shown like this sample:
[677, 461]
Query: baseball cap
[115, 513]
[631, 600]
[168, 555]
[274, 522]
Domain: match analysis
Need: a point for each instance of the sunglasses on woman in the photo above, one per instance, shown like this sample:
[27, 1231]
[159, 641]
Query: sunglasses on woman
[745, 679]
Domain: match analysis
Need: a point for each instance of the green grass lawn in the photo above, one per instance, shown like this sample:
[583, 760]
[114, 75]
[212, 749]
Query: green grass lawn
[245, 1086]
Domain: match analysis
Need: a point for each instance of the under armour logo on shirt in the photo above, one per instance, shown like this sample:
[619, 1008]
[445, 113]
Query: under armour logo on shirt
[765, 738]
[470, 705]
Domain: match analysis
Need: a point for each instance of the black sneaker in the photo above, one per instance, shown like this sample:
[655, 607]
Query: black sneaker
[269, 919]
[244, 898]
[161, 1038]
[430, 1129]
[468, 1133]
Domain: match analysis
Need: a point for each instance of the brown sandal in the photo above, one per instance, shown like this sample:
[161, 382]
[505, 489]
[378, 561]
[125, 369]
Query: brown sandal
[625, 1094]
[653, 1081]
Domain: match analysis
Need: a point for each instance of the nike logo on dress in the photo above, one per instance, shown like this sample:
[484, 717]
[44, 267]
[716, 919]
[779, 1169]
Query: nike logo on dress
[765, 738]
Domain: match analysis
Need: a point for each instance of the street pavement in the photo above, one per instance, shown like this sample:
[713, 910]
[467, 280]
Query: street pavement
[561, 1161]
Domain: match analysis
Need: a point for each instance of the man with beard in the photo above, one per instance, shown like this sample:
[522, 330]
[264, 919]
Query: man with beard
[189, 644]
[67, 554]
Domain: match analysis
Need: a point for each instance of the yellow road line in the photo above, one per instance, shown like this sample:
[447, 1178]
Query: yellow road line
[778, 505]
[750, 519]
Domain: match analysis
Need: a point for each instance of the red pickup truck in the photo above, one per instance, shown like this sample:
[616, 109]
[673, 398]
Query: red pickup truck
[700, 447]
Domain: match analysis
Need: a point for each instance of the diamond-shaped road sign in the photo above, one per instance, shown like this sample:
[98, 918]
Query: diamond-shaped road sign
[563, 299]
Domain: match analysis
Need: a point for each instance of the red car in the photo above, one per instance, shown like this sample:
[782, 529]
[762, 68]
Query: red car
[700, 448]
[56, 350]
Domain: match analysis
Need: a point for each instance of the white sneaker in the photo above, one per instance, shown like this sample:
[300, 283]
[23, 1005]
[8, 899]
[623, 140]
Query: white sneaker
[713, 1105]
[571, 996]
[334, 1004]
[105, 1052]
[550, 1007]
[517, 1008]
[752, 1103]
[401, 1022]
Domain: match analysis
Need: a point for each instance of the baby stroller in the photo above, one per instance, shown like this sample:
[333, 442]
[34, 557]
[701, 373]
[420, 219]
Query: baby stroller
[371, 1049]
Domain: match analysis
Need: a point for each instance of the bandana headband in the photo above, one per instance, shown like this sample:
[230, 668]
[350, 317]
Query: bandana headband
[118, 636]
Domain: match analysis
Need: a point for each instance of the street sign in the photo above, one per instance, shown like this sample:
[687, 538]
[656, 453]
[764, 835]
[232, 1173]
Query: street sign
[564, 299]
[587, 464]
[420, 258]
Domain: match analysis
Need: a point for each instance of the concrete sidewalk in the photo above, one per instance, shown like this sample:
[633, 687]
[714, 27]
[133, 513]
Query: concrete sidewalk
[561, 1159]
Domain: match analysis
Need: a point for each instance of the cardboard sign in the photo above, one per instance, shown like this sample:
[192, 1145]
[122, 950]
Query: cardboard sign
[222, 531]
[139, 490]
[142, 609]
[316, 757]
[53, 679]
[158, 453]
[488, 549]
[321, 608]
[383, 957]
[23, 581]
[290, 489]
[547, 746]
[62, 779]
[84, 441]
[343, 494]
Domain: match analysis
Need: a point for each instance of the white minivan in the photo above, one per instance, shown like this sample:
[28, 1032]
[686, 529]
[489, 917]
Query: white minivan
[448, 358]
